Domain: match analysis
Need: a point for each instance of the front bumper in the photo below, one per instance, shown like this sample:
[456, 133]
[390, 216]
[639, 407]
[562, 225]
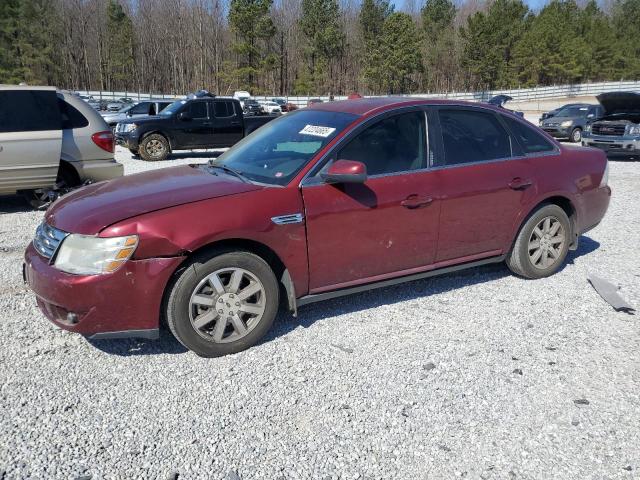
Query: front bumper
[125, 303]
[613, 145]
[128, 140]
[558, 132]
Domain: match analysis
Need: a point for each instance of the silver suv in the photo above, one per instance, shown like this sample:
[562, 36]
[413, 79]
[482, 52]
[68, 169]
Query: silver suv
[51, 141]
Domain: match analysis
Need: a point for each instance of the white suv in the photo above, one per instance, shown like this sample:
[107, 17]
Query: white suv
[50, 141]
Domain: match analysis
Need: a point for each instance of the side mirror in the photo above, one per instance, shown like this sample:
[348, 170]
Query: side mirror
[345, 171]
[184, 116]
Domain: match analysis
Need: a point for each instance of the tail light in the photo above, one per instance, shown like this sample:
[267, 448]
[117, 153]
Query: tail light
[104, 140]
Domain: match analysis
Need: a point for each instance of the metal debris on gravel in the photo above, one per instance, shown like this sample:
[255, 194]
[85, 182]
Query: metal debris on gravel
[143, 409]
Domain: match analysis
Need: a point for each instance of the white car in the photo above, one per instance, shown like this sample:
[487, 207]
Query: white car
[270, 107]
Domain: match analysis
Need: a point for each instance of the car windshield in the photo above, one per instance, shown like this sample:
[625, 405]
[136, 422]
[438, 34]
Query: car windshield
[276, 152]
[573, 112]
[173, 108]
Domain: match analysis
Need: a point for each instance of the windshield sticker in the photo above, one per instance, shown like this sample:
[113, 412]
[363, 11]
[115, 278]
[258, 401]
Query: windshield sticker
[317, 131]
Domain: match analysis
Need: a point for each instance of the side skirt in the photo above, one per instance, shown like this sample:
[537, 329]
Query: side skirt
[395, 281]
[151, 334]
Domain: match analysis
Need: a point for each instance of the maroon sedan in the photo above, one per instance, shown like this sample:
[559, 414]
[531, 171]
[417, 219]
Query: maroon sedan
[326, 201]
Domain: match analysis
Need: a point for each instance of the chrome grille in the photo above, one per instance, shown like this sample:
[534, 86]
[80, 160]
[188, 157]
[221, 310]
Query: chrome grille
[616, 129]
[48, 239]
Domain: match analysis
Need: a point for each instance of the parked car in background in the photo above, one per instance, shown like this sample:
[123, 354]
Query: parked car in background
[241, 96]
[569, 122]
[51, 141]
[617, 132]
[501, 100]
[327, 201]
[313, 101]
[202, 122]
[282, 103]
[137, 110]
[270, 107]
[115, 106]
[252, 107]
[553, 112]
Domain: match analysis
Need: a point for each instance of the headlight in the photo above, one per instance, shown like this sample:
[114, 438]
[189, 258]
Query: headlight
[129, 127]
[87, 255]
[566, 123]
[634, 130]
[587, 128]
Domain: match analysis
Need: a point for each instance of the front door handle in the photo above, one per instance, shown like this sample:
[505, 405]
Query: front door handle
[416, 201]
[520, 183]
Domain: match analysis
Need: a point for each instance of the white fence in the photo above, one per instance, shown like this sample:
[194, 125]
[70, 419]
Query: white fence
[519, 95]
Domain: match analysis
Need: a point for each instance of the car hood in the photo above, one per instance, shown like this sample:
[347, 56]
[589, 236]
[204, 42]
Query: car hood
[94, 207]
[619, 102]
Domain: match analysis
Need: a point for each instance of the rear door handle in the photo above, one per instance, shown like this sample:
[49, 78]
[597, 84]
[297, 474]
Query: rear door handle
[416, 201]
[520, 183]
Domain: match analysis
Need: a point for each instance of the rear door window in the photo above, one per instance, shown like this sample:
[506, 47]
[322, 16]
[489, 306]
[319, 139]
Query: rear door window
[29, 111]
[531, 140]
[470, 135]
[71, 116]
[223, 109]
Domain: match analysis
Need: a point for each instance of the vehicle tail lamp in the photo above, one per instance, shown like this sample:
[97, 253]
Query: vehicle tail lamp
[104, 140]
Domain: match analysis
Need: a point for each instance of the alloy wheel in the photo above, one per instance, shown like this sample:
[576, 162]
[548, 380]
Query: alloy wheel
[227, 304]
[155, 148]
[546, 243]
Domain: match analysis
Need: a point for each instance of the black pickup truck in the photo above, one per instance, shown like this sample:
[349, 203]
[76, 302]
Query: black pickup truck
[205, 122]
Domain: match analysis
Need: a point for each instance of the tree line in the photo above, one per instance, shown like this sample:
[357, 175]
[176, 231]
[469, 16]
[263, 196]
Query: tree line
[301, 47]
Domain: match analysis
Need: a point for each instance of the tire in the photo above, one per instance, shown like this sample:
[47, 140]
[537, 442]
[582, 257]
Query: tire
[552, 252]
[246, 310]
[576, 135]
[154, 147]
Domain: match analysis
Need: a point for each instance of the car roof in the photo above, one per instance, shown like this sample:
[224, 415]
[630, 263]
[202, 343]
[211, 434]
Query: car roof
[368, 106]
[25, 87]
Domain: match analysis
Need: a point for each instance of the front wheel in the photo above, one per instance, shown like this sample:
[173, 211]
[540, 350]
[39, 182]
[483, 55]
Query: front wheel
[223, 304]
[542, 243]
[154, 147]
[576, 135]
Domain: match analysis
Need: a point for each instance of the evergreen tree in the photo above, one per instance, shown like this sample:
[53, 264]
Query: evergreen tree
[626, 22]
[119, 46]
[489, 39]
[372, 15]
[325, 40]
[551, 50]
[439, 45]
[253, 28]
[10, 69]
[400, 50]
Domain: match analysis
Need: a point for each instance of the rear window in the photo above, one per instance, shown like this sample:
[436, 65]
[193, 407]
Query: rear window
[71, 116]
[29, 111]
[531, 140]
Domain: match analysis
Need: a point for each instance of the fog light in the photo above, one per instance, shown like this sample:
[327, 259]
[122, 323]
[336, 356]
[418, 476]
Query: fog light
[72, 318]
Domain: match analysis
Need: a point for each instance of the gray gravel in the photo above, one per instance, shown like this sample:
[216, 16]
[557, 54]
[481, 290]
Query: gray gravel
[476, 375]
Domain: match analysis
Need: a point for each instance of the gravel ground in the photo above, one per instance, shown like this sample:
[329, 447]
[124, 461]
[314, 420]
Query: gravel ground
[478, 375]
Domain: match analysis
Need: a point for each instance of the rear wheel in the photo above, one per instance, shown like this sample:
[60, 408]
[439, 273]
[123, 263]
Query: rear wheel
[576, 135]
[542, 243]
[223, 304]
[154, 147]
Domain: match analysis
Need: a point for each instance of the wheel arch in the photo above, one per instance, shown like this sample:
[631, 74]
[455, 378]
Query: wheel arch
[564, 202]
[243, 244]
[71, 169]
[158, 132]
